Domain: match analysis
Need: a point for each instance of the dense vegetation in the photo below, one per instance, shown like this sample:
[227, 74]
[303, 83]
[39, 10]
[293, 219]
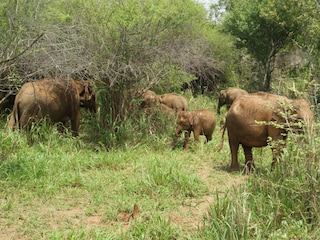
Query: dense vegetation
[57, 187]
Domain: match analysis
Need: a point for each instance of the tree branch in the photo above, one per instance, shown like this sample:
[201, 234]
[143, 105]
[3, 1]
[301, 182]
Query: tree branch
[15, 57]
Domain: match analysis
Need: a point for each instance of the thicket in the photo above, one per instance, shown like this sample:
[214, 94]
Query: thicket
[121, 45]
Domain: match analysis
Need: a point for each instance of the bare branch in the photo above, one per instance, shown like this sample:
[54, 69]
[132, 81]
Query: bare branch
[30, 46]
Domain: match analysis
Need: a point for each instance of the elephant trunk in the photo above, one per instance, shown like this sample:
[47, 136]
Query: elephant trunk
[178, 131]
[218, 108]
[221, 102]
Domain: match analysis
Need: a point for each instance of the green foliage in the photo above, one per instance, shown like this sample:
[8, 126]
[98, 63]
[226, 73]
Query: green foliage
[264, 28]
[173, 82]
[281, 204]
[54, 184]
[155, 228]
[169, 181]
[260, 36]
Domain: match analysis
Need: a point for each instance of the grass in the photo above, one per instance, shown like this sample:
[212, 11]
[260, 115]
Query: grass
[54, 186]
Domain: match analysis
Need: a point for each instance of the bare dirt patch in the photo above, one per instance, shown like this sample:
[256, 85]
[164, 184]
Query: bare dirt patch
[189, 217]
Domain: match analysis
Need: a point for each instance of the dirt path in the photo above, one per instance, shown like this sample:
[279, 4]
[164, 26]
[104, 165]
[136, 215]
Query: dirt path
[189, 217]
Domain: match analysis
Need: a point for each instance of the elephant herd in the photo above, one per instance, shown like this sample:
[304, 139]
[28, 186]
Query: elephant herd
[200, 122]
[251, 119]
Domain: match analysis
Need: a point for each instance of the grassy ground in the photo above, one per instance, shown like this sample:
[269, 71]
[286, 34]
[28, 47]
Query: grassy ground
[56, 187]
[60, 188]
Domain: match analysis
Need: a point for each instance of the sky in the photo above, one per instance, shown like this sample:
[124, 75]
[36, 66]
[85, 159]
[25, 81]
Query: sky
[206, 3]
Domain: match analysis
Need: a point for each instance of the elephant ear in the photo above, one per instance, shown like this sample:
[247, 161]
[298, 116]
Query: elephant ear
[190, 118]
[224, 94]
[193, 119]
[87, 95]
[285, 115]
[277, 118]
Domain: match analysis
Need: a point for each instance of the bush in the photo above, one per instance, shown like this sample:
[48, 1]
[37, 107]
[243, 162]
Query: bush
[279, 204]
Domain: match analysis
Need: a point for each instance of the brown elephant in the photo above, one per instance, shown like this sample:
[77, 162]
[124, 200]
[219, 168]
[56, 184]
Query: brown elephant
[200, 122]
[254, 118]
[168, 103]
[174, 101]
[87, 95]
[227, 96]
[59, 100]
[149, 98]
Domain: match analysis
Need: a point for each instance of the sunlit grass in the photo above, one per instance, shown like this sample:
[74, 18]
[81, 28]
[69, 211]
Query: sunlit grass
[279, 204]
[52, 183]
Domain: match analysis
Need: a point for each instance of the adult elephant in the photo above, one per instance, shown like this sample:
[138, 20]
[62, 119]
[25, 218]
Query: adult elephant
[59, 100]
[174, 101]
[254, 118]
[200, 122]
[227, 96]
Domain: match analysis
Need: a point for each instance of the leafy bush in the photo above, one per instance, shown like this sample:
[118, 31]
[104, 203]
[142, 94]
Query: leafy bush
[273, 201]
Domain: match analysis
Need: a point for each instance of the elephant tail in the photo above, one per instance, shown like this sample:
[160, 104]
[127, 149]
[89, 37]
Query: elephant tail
[222, 137]
[14, 118]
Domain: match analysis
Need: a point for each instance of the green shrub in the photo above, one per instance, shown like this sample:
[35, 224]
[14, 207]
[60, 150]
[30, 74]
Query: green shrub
[279, 204]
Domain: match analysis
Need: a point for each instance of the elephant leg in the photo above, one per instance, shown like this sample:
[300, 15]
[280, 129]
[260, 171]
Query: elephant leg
[208, 138]
[278, 137]
[249, 164]
[196, 135]
[277, 151]
[75, 123]
[234, 147]
[186, 140]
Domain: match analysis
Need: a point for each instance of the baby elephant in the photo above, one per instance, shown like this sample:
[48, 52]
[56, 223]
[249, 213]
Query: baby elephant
[200, 122]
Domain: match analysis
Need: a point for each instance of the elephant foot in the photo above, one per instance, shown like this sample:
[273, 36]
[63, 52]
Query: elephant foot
[234, 168]
[249, 167]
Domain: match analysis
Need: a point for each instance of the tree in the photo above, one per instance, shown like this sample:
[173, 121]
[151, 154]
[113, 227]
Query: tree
[261, 35]
[118, 44]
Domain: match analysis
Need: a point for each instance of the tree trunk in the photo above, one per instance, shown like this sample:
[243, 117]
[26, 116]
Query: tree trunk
[267, 75]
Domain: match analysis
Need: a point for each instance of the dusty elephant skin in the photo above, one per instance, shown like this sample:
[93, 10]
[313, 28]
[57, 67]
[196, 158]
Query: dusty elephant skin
[251, 121]
[148, 97]
[227, 96]
[200, 122]
[169, 102]
[59, 100]
[174, 101]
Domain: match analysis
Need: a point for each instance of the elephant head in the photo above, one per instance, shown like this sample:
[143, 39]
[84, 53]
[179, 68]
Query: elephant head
[87, 95]
[291, 115]
[149, 98]
[222, 99]
[227, 96]
[185, 121]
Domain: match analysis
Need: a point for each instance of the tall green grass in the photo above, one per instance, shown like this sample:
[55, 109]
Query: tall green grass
[45, 176]
[44, 169]
[279, 204]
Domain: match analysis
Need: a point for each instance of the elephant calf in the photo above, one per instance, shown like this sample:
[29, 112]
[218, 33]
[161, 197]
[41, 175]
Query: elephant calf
[228, 95]
[200, 122]
[169, 103]
[174, 101]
